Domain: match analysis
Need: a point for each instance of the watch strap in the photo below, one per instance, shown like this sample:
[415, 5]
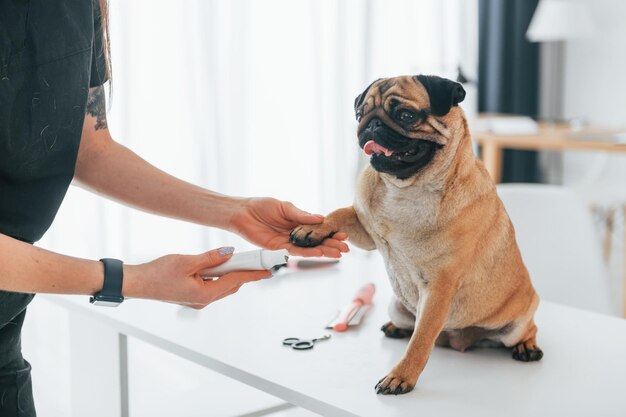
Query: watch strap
[113, 277]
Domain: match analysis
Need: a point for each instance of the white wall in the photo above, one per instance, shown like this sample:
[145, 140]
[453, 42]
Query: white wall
[595, 90]
[595, 67]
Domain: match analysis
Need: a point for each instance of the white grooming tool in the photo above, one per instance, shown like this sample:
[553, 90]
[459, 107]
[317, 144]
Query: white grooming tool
[255, 260]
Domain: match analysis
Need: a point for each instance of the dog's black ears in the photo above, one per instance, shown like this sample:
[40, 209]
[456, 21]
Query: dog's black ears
[443, 93]
[358, 101]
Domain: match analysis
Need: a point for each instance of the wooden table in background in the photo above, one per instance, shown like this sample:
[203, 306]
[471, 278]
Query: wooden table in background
[549, 137]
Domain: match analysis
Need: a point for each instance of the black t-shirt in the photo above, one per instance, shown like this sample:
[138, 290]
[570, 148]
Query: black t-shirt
[50, 54]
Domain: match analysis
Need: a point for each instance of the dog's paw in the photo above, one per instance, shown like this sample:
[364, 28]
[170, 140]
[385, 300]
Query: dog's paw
[394, 332]
[311, 235]
[395, 384]
[526, 352]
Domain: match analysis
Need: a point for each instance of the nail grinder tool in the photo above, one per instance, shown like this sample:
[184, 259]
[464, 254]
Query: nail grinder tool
[255, 260]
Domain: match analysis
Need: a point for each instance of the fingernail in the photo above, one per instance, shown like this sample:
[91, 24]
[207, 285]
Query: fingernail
[226, 250]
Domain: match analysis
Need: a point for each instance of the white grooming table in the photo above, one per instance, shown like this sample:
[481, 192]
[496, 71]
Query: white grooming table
[583, 371]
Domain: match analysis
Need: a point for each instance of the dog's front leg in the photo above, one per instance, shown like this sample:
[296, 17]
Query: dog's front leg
[432, 312]
[340, 220]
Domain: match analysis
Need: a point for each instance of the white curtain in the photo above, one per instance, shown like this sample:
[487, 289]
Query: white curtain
[246, 98]
[251, 98]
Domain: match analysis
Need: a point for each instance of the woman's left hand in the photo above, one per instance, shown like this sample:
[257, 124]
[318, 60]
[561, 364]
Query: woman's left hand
[267, 222]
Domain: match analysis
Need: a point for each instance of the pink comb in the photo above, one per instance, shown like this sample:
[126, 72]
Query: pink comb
[352, 314]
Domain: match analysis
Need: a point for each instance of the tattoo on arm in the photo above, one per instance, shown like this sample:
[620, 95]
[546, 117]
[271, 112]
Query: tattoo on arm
[96, 107]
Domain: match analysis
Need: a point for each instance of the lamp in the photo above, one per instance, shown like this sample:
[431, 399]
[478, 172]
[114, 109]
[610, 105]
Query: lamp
[559, 20]
[553, 23]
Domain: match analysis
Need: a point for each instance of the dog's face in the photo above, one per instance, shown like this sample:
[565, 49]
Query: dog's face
[404, 121]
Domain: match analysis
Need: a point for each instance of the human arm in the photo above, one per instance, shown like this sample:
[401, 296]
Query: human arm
[108, 168]
[172, 278]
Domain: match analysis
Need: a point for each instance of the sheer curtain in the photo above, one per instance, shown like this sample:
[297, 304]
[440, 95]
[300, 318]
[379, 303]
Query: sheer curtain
[252, 98]
[246, 98]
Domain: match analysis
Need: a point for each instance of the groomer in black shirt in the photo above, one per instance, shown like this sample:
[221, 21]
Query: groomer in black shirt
[53, 129]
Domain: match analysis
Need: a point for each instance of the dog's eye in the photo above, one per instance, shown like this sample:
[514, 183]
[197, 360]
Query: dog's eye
[406, 116]
[359, 116]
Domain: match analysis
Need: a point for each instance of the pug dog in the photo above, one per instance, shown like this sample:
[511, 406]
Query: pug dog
[431, 209]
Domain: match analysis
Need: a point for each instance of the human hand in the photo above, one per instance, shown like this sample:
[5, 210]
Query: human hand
[175, 279]
[267, 222]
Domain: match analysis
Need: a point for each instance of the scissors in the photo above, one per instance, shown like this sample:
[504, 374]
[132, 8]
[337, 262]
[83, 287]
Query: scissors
[303, 344]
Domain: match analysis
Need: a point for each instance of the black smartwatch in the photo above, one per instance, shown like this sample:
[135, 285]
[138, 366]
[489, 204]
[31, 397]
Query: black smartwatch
[111, 293]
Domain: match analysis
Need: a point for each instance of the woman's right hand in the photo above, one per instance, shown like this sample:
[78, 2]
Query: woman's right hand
[175, 279]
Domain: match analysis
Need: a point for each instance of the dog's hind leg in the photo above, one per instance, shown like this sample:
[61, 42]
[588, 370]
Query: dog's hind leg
[521, 336]
[527, 350]
[402, 321]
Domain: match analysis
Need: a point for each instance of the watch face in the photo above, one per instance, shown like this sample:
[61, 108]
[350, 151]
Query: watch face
[105, 301]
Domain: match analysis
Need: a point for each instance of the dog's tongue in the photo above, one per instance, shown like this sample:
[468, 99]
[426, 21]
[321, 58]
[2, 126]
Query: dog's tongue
[372, 147]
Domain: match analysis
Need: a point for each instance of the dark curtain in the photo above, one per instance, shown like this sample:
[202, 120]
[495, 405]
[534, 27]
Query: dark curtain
[508, 74]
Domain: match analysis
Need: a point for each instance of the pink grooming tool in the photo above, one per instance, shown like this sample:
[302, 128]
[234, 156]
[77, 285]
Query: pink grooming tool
[353, 313]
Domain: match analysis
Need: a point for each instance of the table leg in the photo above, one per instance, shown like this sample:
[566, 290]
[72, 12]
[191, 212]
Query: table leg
[609, 228]
[99, 375]
[491, 155]
[624, 258]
